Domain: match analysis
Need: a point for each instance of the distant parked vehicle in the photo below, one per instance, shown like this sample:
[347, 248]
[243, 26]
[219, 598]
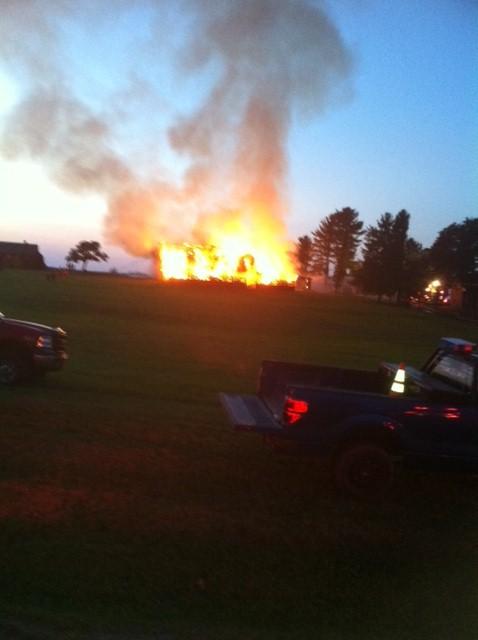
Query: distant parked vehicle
[28, 349]
[364, 421]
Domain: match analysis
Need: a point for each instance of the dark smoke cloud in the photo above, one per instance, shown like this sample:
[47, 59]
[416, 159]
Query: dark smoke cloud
[271, 61]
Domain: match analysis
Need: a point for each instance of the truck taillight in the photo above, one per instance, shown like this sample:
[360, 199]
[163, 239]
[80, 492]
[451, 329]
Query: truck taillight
[294, 410]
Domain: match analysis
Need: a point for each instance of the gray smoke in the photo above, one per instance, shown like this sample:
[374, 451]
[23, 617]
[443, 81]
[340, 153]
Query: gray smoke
[259, 64]
[51, 126]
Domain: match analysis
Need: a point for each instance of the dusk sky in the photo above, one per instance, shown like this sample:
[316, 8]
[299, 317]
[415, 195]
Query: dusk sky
[125, 125]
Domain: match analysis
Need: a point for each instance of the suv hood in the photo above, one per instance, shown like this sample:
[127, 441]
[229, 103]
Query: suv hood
[34, 326]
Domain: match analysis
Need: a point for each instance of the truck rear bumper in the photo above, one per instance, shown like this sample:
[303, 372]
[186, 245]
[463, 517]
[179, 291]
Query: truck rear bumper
[249, 413]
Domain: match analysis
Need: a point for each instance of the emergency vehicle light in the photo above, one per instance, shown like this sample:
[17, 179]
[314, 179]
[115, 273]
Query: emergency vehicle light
[457, 345]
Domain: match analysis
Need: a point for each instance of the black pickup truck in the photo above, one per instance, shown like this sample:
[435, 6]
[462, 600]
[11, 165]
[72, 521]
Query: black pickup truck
[28, 349]
[363, 422]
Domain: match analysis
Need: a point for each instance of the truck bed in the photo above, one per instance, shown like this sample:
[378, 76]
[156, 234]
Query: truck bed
[277, 377]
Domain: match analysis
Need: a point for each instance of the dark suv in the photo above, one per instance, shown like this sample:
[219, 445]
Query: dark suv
[28, 349]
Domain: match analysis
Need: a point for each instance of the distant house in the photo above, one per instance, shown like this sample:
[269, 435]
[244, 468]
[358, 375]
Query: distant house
[20, 255]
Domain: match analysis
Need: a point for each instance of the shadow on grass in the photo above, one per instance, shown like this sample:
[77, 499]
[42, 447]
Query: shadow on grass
[286, 559]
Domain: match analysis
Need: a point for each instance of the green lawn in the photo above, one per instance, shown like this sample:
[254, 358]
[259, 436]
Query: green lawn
[126, 502]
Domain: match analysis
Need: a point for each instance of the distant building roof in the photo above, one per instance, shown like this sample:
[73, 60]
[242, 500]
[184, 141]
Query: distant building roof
[20, 255]
[22, 248]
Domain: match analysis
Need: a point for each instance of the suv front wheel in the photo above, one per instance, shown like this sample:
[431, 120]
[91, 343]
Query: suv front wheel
[14, 367]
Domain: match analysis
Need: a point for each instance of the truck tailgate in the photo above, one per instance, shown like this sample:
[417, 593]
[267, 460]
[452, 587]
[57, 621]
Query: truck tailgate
[249, 413]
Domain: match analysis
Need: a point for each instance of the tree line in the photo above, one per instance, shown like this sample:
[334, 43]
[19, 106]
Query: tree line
[391, 263]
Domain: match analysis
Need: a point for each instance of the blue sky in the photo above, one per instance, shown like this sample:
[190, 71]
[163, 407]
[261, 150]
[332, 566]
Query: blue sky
[409, 136]
[402, 132]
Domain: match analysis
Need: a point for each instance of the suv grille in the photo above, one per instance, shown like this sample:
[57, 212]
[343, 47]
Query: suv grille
[59, 340]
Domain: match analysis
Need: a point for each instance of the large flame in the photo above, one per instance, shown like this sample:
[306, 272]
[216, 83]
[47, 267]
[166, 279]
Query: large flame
[232, 252]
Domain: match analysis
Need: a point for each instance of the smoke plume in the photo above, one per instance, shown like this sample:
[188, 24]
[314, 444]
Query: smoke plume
[260, 65]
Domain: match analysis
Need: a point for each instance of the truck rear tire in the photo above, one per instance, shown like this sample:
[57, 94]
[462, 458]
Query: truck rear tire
[14, 367]
[364, 470]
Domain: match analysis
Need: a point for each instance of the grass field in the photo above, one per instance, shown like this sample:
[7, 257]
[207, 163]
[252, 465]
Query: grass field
[127, 504]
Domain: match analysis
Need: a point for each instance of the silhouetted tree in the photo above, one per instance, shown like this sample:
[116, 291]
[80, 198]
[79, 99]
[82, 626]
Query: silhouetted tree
[454, 254]
[322, 243]
[372, 277]
[304, 255]
[416, 267]
[398, 251]
[347, 230]
[386, 250]
[86, 251]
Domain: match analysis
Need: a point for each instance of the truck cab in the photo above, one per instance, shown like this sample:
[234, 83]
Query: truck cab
[450, 372]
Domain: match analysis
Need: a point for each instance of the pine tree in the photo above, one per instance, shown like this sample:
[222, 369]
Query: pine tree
[347, 231]
[387, 251]
[322, 243]
[398, 252]
[454, 254]
[373, 275]
[304, 255]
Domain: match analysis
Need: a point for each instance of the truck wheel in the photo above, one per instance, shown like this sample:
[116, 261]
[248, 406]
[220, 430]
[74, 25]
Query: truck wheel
[14, 368]
[364, 470]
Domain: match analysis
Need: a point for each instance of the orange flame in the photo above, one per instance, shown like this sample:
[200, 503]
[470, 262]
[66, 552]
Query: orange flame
[233, 252]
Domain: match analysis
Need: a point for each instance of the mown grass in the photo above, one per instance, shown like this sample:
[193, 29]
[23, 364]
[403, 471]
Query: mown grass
[126, 503]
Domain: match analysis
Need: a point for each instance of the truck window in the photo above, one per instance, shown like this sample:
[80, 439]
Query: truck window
[457, 373]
